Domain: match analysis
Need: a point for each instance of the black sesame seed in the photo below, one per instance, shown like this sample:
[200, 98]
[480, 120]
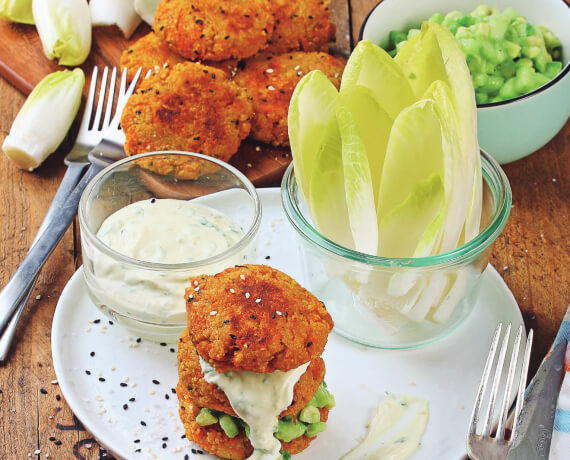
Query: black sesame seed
[139, 340]
[166, 396]
[125, 406]
[162, 344]
[173, 391]
[156, 382]
[111, 322]
[233, 336]
[101, 379]
[136, 441]
[138, 112]
[165, 438]
[213, 75]
[198, 451]
[193, 451]
[58, 443]
[272, 316]
[309, 344]
[252, 316]
[205, 71]
[226, 321]
[189, 387]
[143, 423]
[196, 138]
[88, 372]
[153, 200]
[132, 400]
[92, 353]
[183, 436]
[199, 21]
[129, 51]
[123, 384]
[97, 321]
[57, 397]
[172, 350]
[282, 91]
[267, 257]
[186, 457]
[51, 438]
[138, 451]
[43, 391]
[226, 37]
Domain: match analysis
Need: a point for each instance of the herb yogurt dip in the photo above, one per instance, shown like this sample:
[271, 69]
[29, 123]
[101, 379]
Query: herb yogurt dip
[164, 231]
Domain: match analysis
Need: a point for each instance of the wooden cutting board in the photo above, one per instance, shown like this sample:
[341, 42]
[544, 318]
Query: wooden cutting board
[23, 64]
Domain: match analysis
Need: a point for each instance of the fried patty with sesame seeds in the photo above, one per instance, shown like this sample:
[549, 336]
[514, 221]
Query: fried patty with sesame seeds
[304, 26]
[150, 53]
[189, 107]
[264, 320]
[270, 81]
[208, 395]
[224, 29]
[213, 439]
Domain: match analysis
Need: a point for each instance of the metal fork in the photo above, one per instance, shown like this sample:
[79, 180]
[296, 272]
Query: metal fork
[15, 295]
[495, 445]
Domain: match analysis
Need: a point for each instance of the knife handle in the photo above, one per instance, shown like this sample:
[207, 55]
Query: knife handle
[54, 226]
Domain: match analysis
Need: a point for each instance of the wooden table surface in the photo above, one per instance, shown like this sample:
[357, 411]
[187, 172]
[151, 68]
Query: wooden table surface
[532, 255]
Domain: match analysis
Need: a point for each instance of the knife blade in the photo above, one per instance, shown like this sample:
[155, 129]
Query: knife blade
[537, 417]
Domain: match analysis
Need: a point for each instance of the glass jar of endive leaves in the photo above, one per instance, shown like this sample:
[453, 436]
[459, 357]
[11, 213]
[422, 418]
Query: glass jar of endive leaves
[397, 303]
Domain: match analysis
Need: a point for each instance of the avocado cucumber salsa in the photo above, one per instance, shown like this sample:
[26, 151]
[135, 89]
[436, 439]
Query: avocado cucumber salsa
[507, 56]
[307, 422]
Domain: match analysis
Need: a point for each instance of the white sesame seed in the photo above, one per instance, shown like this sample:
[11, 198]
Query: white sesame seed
[197, 288]
[257, 148]
[299, 73]
[54, 382]
[269, 70]
[257, 300]
[297, 67]
[195, 283]
[249, 165]
[37, 451]
[336, 75]
[242, 276]
[38, 297]
[247, 295]
[232, 290]
[271, 88]
[213, 313]
[278, 312]
[554, 179]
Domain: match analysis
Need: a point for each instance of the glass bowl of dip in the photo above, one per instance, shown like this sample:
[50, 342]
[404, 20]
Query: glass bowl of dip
[149, 222]
[396, 303]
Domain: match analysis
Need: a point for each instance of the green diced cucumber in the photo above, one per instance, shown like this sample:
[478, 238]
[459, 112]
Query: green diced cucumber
[285, 455]
[507, 69]
[229, 425]
[524, 62]
[494, 84]
[310, 414]
[395, 37]
[507, 91]
[413, 32]
[436, 17]
[315, 428]
[481, 11]
[288, 430]
[498, 26]
[481, 97]
[205, 417]
[552, 69]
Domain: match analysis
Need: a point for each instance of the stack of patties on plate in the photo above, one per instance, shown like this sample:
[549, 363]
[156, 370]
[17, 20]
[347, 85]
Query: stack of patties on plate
[250, 372]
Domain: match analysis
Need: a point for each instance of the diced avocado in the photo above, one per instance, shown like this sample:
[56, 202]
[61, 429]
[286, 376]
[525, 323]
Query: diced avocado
[289, 430]
[310, 414]
[320, 398]
[285, 455]
[205, 417]
[228, 425]
[315, 428]
[331, 402]
[245, 426]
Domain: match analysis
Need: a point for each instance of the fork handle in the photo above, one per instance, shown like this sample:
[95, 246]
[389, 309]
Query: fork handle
[56, 224]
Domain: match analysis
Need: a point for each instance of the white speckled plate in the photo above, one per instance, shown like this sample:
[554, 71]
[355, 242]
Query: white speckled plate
[446, 373]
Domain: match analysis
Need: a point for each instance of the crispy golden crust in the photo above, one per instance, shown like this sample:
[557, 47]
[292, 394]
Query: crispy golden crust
[269, 322]
[205, 394]
[214, 440]
[270, 81]
[195, 108]
[203, 29]
[300, 25]
[150, 53]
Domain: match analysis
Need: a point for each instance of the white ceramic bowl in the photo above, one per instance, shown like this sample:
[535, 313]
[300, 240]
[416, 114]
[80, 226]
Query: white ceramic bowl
[512, 129]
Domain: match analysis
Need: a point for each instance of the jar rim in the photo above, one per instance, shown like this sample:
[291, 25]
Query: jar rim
[492, 174]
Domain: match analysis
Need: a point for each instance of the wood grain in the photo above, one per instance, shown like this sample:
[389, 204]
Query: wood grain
[532, 255]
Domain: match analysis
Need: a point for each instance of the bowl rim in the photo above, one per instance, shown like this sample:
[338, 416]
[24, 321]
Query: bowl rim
[563, 73]
[500, 189]
[156, 266]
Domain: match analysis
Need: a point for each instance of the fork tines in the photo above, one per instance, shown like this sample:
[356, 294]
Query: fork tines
[499, 382]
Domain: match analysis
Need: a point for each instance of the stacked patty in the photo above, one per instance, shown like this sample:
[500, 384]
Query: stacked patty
[255, 320]
[236, 37]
